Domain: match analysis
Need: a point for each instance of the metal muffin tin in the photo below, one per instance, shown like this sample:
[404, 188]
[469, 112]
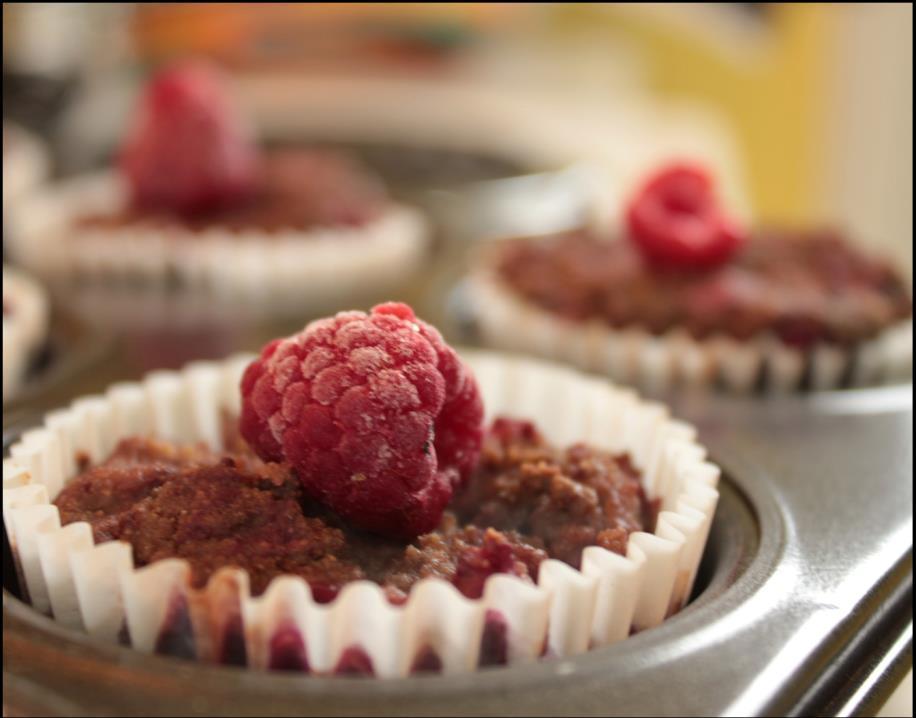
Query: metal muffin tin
[806, 583]
[803, 604]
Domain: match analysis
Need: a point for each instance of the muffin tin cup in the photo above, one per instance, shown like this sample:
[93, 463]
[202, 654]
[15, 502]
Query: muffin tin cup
[96, 588]
[321, 264]
[658, 363]
[25, 329]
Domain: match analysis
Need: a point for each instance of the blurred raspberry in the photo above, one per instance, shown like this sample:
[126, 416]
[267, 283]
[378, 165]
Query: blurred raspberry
[188, 150]
[378, 415]
[676, 221]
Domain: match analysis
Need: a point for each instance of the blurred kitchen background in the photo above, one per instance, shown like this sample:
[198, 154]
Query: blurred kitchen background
[496, 119]
[805, 108]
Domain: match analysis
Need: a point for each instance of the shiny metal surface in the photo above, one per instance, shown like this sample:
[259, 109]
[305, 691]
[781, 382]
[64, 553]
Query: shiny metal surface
[840, 467]
[808, 572]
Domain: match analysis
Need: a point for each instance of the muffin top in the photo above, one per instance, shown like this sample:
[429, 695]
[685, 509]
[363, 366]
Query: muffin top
[525, 501]
[296, 189]
[681, 261]
[189, 157]
[805, 287]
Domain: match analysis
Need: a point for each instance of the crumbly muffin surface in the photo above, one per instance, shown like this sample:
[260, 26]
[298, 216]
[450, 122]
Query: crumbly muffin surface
[805, 288]
[525, 502]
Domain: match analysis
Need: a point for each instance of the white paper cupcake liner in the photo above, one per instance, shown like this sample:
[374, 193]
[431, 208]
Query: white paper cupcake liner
[657, 363]
[324, 264]
[97, 589]
[24, 329]
[26, 164]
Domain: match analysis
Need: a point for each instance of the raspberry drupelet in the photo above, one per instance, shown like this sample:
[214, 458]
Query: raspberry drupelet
[379, 417]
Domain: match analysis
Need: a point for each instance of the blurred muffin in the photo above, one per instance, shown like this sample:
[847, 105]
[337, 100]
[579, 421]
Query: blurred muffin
[686, 297]
[195, 202]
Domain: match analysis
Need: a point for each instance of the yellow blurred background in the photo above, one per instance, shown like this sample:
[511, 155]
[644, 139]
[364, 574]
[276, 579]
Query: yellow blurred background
[819, 96]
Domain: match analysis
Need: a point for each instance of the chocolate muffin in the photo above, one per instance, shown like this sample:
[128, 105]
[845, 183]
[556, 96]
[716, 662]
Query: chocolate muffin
[804, 288]
[338, 505]
[682, 296]
[195, 202]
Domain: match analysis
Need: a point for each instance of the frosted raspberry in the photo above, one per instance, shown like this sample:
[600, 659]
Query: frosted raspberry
[378, 415]
[188, 151]
[676, 221]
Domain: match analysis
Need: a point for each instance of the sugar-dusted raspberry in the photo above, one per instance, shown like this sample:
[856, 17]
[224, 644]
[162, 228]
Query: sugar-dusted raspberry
[188, 150]
[676, 221]
[377, 414]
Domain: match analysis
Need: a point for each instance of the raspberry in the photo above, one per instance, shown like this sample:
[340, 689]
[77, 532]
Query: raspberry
[377, 414]
[187, 150]
[676, 222]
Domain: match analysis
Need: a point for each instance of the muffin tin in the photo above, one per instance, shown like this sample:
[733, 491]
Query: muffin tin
[806, 579]
[802, 606]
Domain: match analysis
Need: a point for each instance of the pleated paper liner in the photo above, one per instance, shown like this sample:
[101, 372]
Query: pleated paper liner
[321, 264]
[25, 329]
[633, 356]
[95, 588]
